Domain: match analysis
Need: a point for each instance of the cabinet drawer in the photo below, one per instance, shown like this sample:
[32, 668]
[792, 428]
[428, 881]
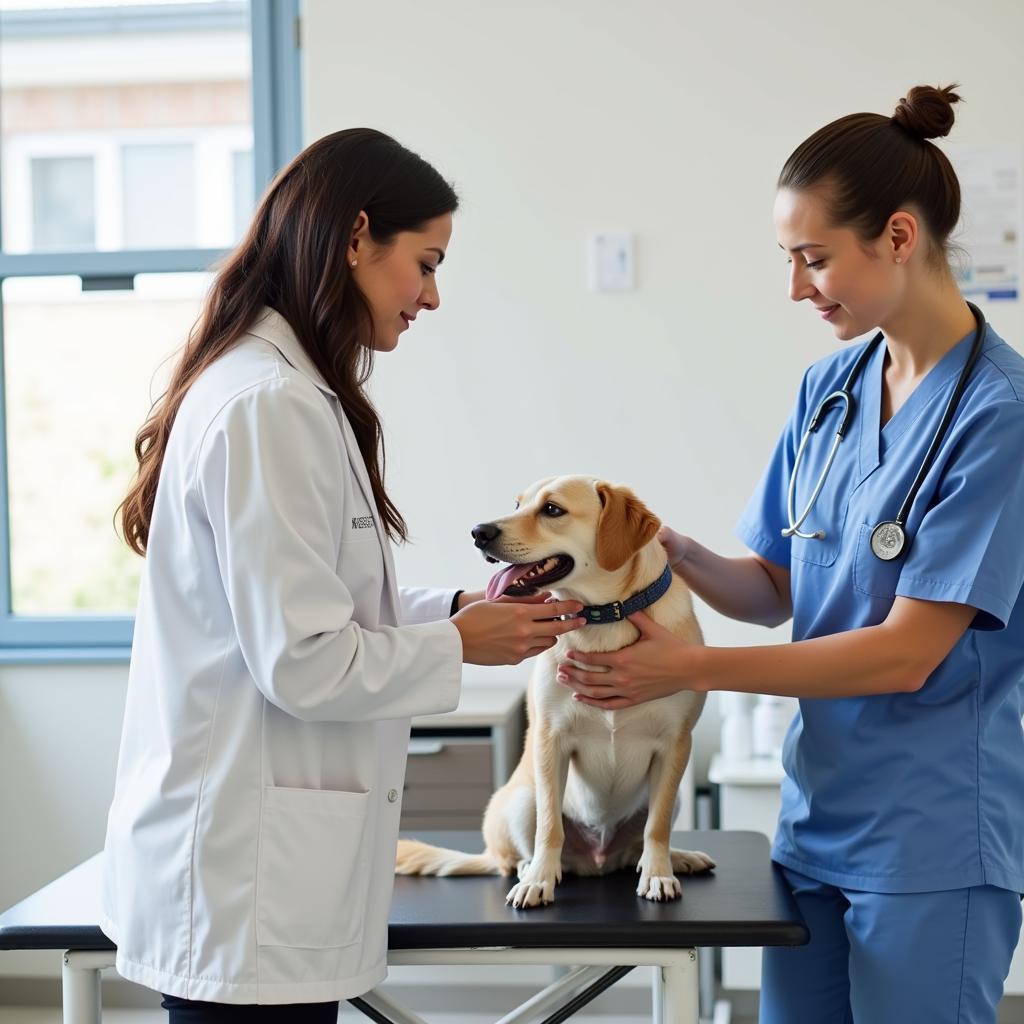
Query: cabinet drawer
[447, 799]
[413, 823]
[447, 762]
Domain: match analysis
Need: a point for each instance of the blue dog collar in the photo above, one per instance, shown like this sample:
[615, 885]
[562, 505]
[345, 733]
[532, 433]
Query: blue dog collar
[600, 614]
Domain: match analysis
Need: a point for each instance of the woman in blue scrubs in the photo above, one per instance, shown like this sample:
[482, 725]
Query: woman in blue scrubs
[902, 822]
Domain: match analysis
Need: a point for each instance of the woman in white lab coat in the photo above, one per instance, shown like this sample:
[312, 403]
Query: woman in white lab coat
[275, 666]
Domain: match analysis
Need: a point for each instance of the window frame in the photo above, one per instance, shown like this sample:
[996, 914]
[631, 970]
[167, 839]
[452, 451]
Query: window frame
[277, 136]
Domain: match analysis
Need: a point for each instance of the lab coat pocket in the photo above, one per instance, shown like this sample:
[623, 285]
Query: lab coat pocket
[871, 575]
[313, 857]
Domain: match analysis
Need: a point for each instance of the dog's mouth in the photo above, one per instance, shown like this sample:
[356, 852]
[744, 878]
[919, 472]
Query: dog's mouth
[523, 579]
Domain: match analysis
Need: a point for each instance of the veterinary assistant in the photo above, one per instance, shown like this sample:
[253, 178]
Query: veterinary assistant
[250, 846]
[902, 824]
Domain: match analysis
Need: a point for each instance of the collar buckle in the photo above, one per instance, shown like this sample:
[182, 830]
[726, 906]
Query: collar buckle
[616, 611]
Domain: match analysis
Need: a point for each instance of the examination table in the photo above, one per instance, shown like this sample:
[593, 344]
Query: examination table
[599, 926]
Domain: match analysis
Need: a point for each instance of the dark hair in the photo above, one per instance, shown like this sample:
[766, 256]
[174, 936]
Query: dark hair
[868, 166]
[293, 259]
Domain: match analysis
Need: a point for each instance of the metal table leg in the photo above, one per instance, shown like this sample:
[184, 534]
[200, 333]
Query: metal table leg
[680, 988]
[554, 996]
[657, 997]
[674, 979]
[379, 1007]
[80, 981]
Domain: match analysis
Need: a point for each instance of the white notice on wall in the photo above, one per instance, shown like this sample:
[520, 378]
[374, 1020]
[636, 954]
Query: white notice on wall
[990, 220]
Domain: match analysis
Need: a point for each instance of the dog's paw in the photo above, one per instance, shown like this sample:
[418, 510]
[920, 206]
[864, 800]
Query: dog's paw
[659, 887]
[531, 893]
[656, 879]
[691, 862]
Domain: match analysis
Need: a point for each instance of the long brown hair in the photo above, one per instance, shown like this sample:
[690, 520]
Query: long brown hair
[869, 166]
[293, 259]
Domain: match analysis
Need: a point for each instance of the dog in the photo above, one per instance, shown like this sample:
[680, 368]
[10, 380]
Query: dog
[594, 790]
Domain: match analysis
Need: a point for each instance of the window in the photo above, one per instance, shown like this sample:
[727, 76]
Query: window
[166, 170]
[126, 170]
[241, 170]
[63, 212]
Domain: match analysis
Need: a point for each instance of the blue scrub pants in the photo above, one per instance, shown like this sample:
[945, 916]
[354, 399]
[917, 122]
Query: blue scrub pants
[892, 958]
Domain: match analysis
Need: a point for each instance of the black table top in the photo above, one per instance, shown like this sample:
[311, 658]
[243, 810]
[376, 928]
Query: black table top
[744, 902]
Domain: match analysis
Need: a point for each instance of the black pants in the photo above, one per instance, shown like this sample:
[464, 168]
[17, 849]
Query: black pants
[188, 1011]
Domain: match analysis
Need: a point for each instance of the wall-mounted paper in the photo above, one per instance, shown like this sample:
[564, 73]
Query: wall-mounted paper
[990, 221]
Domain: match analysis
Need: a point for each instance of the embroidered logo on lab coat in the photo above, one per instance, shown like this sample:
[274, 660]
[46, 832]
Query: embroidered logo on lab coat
[362, 522]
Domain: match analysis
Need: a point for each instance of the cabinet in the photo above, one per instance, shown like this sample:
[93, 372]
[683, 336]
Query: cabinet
[458, 759]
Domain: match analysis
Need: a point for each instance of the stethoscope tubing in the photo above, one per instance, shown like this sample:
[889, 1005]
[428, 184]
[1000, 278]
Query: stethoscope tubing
[845, 395]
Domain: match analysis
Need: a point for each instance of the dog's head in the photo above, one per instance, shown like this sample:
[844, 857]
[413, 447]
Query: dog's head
[575, 533]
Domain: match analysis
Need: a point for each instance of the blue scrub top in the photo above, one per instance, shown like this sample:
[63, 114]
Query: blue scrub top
[924, 791]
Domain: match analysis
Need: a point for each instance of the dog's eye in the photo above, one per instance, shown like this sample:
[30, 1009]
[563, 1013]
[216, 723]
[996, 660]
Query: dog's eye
[551, 509]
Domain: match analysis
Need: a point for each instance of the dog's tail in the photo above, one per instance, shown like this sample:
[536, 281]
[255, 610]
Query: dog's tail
[416, 858]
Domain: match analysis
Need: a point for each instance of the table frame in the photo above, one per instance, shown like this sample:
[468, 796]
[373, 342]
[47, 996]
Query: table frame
[674, 980]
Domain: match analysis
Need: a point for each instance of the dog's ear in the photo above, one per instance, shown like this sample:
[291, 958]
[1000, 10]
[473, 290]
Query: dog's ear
[625, 526]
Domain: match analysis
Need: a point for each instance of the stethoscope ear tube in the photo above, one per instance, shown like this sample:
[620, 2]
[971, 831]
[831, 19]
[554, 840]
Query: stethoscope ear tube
[843, 395]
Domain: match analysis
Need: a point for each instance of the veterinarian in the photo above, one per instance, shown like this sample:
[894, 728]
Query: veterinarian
[250, 846]
[901, 831]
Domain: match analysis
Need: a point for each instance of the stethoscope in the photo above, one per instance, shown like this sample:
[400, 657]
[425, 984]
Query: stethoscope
[888, 538]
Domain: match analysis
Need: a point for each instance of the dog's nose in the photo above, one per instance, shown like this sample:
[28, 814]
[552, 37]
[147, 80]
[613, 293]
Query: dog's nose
[484, 534]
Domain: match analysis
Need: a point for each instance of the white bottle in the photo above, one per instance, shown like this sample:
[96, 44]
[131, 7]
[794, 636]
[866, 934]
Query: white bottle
[771, 719]
[736, 740]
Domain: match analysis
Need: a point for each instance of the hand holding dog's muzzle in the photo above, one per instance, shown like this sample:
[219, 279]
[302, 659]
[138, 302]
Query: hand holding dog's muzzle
[507, 632]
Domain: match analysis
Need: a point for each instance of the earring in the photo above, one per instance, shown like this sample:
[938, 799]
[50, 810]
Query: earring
[899, 259]
[354, 262]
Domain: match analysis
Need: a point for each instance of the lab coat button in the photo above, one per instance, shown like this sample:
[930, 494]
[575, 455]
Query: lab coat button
[392, 795]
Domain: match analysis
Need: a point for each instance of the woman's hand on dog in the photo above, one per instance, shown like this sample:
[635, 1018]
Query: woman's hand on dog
[657, 665]
[677, 547]
[507, 631]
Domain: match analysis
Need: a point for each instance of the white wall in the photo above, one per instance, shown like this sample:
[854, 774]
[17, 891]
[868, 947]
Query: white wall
[554, 119]
[670, 120]
[59, 732]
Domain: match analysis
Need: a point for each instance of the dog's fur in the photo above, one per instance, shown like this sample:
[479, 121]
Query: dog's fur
[595, 790]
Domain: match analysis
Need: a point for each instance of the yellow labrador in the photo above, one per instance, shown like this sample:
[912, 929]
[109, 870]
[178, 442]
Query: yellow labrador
[595, 790]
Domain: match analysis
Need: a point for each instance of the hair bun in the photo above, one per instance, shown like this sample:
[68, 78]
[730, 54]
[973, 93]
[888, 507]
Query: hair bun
[926, 112]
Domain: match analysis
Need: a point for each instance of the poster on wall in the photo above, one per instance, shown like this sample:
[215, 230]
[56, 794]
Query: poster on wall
[990, 230]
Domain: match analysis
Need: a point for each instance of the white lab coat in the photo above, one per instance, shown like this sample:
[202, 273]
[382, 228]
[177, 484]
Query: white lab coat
[250, 845]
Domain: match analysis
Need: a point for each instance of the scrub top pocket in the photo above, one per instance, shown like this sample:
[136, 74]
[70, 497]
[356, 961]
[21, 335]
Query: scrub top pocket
[871, 575]
[818, 550]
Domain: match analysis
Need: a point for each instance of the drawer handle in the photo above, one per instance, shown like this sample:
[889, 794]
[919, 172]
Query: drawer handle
[425, 748]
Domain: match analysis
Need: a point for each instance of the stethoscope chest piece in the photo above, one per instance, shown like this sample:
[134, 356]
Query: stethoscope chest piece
[888, 540]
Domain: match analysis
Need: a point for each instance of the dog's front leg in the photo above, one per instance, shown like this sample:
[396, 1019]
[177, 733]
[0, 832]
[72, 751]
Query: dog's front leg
[538, 878]
[657, 879]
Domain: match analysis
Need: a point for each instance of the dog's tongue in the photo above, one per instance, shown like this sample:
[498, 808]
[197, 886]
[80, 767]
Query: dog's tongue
[504, 578]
